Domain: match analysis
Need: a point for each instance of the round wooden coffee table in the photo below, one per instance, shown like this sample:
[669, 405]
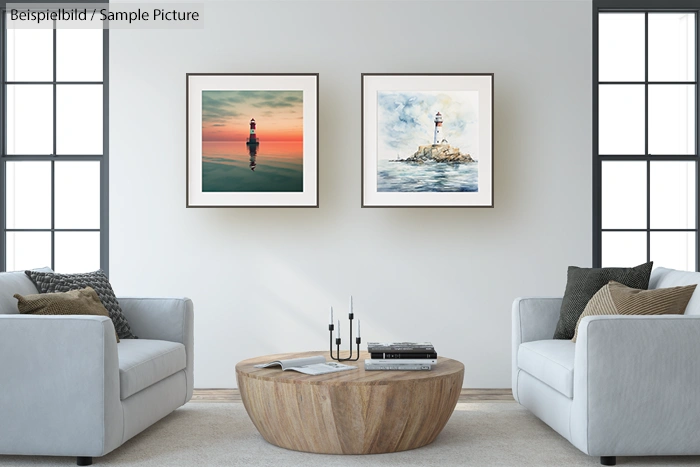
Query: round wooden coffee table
[351, 412]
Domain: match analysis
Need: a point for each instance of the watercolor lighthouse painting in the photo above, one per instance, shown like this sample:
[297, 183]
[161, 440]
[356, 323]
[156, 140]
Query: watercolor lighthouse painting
[238, 158]
[427, 141]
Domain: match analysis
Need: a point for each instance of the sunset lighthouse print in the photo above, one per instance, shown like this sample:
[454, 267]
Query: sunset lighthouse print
[252, 141]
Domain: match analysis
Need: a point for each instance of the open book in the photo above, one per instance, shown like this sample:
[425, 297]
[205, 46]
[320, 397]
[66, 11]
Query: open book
[309, 365]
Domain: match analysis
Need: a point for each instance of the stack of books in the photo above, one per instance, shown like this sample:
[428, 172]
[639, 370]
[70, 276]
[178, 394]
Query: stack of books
[401, 356]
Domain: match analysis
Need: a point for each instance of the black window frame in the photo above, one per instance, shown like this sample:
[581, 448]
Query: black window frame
[643, 6]
[103, 158]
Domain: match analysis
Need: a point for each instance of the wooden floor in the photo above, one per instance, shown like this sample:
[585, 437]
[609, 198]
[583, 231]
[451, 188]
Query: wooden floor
[468, 395]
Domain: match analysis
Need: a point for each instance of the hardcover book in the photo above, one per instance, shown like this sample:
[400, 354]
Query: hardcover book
[401, 355]
[396, 365]
[405, 361]
[400, 347]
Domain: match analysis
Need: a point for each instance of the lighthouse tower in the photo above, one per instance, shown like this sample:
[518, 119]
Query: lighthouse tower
[253, 139]
[437, 138]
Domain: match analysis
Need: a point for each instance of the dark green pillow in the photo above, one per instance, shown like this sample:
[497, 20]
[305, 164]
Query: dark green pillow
[583, 283]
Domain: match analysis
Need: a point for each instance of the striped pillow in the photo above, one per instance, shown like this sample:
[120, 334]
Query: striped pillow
[618, 299]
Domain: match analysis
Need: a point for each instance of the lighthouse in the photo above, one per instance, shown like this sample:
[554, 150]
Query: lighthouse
[437, 138]
[253, 139]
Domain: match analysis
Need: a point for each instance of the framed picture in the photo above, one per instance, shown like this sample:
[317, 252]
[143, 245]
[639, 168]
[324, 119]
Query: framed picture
[427, 140]
[252, 140]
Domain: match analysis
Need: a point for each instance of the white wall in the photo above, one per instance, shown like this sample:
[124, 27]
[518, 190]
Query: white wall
[262, 279]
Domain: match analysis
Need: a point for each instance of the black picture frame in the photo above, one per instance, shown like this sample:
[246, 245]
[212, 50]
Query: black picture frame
[309, 84]
[424, 82]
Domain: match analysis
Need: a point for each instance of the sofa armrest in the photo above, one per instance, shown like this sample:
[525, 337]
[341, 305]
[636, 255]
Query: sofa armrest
[59, 386]
[533, 319]
[636, 381]
[167, 319]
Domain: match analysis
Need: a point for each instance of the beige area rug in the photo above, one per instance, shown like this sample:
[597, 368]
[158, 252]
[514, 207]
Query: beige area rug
[478, 434]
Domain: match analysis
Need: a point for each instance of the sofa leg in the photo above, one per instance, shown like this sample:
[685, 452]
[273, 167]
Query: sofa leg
[608, 460]
[88, 461]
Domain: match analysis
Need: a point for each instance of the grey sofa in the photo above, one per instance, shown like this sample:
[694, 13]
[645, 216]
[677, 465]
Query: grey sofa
[629, 386]
[68, 389]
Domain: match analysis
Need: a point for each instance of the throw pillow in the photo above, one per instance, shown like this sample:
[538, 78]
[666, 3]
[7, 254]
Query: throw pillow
[617, 299]
[583, 283]
[53, 282]
[76, 302]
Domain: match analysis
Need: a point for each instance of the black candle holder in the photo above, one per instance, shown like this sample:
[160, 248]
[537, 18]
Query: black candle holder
[331, 328]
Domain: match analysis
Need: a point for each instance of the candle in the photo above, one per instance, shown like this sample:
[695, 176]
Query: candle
[331, 318]
[350, 303]
[358, 328]
[337, 331]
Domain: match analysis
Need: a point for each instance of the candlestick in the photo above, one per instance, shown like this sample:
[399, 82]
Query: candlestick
[358, 340]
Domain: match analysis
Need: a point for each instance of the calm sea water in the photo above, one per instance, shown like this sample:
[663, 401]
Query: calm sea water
[430, 176]
[230, 166]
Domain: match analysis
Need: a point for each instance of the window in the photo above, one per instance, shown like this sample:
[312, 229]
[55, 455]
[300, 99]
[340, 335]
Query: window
[645, 133]
[53, 164]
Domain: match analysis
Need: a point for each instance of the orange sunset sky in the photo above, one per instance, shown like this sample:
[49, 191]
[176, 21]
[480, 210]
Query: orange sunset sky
[278, 114]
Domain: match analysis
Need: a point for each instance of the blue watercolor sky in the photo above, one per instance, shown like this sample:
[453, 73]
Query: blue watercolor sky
[406, 120]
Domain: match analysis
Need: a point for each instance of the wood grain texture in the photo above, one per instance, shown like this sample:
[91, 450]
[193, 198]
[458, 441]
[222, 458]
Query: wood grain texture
[471, 395]
[352, 412]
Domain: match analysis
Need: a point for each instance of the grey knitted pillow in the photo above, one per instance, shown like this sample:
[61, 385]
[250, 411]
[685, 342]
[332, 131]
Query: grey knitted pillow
[48, 282]
[583, 283]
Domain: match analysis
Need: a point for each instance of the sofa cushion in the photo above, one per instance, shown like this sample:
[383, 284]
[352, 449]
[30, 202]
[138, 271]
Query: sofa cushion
[663, 277]
[54, 282]
[583, 283]
[617, 299]
[12, 283]
[144, 362]
[550, 361]
[76, 302]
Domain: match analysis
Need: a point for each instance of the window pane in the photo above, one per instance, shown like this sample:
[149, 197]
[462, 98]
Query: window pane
[671, 119]
[77, 252]
[29, 54]
[79, 54]
[79, 119]
[675, 250]
[672, 195]
[624, 249]
[621, 47]
[621, 119]
[624, 195]
[77, 195]
[30, 119]
[28, 193]
[671, 47]
[28, 250]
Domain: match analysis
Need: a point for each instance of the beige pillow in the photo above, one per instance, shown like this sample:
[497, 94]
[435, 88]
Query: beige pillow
[618, 299]
[76, 302]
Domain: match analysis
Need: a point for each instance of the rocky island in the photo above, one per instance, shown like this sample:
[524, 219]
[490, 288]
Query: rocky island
[437, 153]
